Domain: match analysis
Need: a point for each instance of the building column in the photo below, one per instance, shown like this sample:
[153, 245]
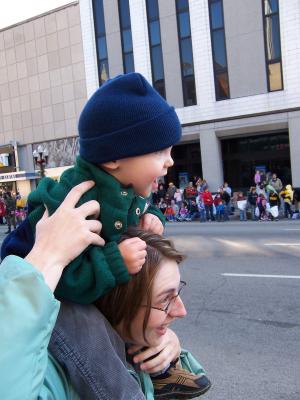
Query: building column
[294, 137]
[211, 157]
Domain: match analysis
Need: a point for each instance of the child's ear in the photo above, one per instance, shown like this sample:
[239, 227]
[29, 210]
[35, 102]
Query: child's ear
[111, 165]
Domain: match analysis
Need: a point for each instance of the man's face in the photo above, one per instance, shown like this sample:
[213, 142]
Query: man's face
[142, 172]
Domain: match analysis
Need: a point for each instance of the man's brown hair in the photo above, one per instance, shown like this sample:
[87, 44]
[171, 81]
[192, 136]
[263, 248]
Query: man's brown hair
[122, 303]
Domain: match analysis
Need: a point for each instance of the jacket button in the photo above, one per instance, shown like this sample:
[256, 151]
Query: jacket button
[118, 225]
[138, 211]
[124, 193]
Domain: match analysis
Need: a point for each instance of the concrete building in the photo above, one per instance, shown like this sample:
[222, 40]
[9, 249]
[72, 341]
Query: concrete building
[230, 68]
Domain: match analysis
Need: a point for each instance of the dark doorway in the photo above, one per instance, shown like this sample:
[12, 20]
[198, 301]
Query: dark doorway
[241, 157]
[187, 161]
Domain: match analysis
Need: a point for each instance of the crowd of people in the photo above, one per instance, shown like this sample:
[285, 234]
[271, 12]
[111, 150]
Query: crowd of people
[267, 199]
[12, 209]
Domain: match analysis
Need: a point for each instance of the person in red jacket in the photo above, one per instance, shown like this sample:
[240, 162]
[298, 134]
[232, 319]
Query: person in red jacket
[2, 209]
[208, 204]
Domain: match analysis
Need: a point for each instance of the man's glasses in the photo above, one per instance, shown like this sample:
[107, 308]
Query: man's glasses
[171, 301]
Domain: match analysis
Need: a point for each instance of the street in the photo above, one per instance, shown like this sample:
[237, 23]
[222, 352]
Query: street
[245, 330]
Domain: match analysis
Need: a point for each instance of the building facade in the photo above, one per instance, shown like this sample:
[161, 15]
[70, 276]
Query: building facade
[229, 68]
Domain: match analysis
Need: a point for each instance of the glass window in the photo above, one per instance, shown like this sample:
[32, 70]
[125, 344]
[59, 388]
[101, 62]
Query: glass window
[271, 6]
[102, 47]
[124, 13]
[184, 25]
[222, 85]
[103, 71]
[128, 63]
[273, 37]
[99, 17]
[154, 33]
[152, 9]
[127, 41]
[189, 90]
[218, 38]
[182, 5]
[187, 57]
[275, 76]
[216, 15]
[157, 63]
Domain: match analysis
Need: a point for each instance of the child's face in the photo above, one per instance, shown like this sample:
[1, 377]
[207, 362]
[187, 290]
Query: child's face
[142, 172]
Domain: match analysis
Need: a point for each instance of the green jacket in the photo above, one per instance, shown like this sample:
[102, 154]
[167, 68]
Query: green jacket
[97, 269]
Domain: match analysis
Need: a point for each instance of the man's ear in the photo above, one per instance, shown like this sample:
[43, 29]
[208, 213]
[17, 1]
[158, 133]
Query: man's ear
[111, 165]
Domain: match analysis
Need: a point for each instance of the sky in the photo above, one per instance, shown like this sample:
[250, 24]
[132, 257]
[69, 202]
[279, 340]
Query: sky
[13, 11]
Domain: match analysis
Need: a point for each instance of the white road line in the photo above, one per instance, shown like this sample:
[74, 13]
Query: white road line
[263, 276]
[281, 244]
[291, 229]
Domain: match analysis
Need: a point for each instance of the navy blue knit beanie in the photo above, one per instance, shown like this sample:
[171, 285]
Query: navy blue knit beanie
[126, 117]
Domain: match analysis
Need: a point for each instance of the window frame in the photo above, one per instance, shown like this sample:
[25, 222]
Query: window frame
[224, 69]
[185, 78]
[278, 59]
[105, 59]
[122, 29]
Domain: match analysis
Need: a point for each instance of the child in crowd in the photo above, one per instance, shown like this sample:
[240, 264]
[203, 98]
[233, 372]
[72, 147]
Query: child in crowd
[162, 205]
[220, 208]
[126, 132]
[274, 201]
[178, 197]
[261, 203]
[170, 214]
[175, 208]
[201, 207]
[183, 212]
[242, 206]
[208, 204]
[252, 197]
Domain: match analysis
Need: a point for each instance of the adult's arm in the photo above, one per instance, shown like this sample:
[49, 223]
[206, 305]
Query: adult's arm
[27, 307]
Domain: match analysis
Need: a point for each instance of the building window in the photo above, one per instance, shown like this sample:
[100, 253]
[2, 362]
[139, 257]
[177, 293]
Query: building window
[126, 37]
[186, 52]
[103, 68]
[219, 49]
[158, 76]
[272, 45]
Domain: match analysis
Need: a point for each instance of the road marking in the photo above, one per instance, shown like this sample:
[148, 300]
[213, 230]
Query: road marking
[281, 244]
[263, 276]
[291, 229]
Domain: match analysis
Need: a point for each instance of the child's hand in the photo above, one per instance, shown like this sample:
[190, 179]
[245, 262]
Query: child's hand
[166, 352]
[134, 253]
[150, 222]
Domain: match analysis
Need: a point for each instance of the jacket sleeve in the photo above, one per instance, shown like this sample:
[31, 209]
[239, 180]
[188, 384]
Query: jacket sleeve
[92, 274]
[28, 312]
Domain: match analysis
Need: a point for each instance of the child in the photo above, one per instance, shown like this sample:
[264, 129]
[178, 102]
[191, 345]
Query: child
[170, 214]
[241, 203]
[220, 208]
[201, 207]
[183, 214]
[162, 205]
[287, 194]
[126, 132]
[261, 203]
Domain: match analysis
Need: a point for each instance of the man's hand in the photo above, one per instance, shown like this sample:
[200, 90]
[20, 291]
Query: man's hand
[150, 222]
[134, 253]
[63, 236]
[168, 350]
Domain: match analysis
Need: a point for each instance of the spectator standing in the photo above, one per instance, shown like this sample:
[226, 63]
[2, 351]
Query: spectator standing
[171, 191]
[226, 197]
[276, 183]
[274, 201]
[287, 194]
[208, 204]
[220, 207]
[190, 193]
[242, 206]
[261, 203]
[201, 207]
[252, 198]
[161, 191]
[257, 178]
[175, 208]
[10, 209]
[2, 209]
[178, 197]
[227, 189]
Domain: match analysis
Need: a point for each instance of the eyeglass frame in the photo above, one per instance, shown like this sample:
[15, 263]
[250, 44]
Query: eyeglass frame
[173, 298]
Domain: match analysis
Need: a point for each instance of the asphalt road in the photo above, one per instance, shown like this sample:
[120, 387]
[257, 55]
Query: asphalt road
[245, 330]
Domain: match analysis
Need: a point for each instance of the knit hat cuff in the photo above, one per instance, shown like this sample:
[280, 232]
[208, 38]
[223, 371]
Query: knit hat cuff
[164, 131]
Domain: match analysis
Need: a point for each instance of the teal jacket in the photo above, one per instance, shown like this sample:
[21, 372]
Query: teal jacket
[97, 269]
[28, 312]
